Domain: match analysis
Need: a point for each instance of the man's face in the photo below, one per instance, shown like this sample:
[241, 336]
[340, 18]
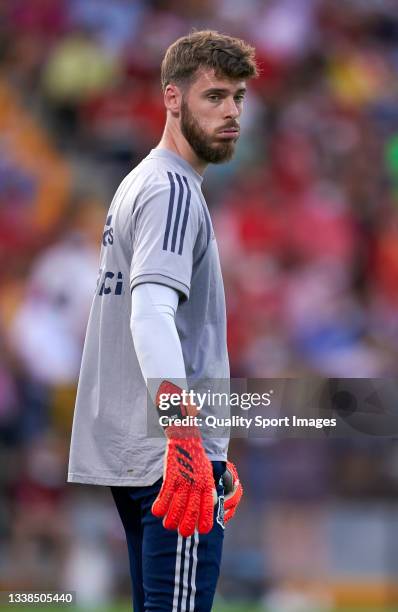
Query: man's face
[210, 112]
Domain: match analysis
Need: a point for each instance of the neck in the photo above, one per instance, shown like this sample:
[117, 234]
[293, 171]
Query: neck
[174, 140]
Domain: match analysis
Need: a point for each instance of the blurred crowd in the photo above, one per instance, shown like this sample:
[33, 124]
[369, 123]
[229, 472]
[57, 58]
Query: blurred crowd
[306, 217]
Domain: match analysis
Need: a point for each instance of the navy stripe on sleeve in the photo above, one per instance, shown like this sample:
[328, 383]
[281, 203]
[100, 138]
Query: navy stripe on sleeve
[178, 212]
[185, 218]
[170, 211]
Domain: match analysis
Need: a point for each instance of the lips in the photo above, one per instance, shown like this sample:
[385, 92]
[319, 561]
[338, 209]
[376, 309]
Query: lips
[229, 132]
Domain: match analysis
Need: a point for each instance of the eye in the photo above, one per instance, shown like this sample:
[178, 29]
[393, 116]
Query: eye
[214, 97]
[239, 98]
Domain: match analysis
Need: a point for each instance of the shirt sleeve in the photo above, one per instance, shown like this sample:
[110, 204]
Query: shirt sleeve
[156, 341]
[165, 229]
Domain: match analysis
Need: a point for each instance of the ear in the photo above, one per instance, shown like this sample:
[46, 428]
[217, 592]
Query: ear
[172, 99]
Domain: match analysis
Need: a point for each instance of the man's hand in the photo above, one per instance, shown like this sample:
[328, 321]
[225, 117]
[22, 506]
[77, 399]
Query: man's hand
[233, 491]
[187, 497]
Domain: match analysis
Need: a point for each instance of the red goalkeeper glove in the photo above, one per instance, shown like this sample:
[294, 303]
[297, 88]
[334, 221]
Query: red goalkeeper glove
[233, 491]
[187, 497]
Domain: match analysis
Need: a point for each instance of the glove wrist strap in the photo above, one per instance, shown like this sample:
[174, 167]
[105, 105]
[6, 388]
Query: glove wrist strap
[177, 432]
[168, 393]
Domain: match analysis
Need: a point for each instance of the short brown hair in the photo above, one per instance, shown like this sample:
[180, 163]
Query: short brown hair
[230, 57]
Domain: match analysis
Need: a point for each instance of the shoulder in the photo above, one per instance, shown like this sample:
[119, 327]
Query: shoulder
[145, 183]
[150, 175]
[163, 182]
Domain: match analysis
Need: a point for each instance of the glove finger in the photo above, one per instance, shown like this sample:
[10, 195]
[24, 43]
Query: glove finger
[233, 499]
[161, 504]
[228, 514]
[206, 511]
[191, 515]
[177, 507]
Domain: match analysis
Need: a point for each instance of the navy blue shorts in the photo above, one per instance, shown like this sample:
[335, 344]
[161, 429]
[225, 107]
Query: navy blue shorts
[170, 573]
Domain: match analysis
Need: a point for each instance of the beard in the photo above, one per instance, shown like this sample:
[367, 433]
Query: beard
[203, 145]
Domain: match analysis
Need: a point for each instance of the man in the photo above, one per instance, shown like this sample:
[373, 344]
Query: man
[165, 337]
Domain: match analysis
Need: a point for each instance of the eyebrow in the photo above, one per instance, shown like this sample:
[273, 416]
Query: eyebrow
[224, 90]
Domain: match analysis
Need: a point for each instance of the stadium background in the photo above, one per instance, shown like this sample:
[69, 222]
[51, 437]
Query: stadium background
[307, 224]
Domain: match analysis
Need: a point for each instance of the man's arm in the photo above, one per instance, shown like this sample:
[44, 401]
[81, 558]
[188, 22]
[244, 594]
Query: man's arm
[156, 341]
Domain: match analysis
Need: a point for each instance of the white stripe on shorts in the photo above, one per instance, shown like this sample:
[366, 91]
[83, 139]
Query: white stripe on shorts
[186, 605]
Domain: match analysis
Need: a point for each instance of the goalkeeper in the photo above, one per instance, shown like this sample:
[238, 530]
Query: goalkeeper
[158, 314]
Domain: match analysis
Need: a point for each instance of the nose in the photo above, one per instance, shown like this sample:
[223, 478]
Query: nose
[231, 110]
